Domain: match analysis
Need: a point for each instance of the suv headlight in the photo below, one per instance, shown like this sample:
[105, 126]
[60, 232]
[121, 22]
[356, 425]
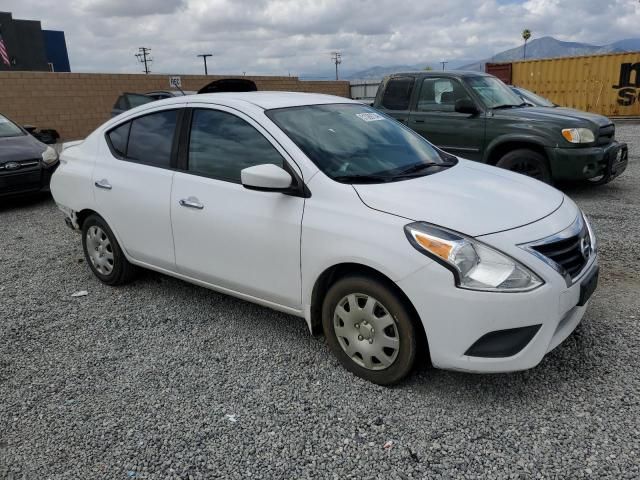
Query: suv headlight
[578, 135]
[49, 156]
[476, 266]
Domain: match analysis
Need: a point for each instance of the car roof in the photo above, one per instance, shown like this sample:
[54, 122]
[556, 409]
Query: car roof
[263, 99]
[444, 73]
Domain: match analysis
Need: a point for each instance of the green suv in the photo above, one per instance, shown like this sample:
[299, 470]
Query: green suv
[476, 116]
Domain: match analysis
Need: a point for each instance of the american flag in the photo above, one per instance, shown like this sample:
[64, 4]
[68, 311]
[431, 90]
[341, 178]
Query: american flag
[3, 52]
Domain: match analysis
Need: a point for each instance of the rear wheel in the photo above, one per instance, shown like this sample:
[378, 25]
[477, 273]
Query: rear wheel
[527, 162]
[369, 329]
[103, 254]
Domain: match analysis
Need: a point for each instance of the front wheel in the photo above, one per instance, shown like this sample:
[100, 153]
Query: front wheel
[369, 329]
[527, 162]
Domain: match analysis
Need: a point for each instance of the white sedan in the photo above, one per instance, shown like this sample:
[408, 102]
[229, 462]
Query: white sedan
[324, 208]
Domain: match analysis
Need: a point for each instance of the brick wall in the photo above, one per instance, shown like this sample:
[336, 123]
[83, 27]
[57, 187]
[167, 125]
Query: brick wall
[76, 103]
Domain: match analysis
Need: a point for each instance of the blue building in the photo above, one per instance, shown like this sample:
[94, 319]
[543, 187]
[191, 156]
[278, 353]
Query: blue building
[55, 47]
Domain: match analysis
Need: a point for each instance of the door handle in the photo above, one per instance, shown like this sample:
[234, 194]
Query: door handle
[191, 202]
[104, 184]
[418, 121]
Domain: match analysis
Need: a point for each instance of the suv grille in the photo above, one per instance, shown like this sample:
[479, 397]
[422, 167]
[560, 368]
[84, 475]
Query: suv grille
[606, 134]
[571, 253]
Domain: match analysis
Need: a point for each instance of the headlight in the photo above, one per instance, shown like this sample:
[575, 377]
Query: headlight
[578, 135]
[475, 265]
[49, 156]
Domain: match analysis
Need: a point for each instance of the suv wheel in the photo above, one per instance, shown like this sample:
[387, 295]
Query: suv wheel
[527, 162]
[369, 329]
[103, 254]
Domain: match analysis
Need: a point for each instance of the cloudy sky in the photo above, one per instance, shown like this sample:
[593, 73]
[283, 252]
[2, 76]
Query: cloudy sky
[297, 36]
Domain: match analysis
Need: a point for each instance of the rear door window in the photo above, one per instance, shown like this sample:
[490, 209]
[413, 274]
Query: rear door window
[151, 138]
[397, 94]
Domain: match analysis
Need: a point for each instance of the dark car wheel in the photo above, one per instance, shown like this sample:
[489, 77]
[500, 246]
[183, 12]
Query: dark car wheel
[527, 162]
[369, 329]
[103, 254]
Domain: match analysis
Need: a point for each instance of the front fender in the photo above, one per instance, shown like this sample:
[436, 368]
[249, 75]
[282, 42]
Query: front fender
[514, 138]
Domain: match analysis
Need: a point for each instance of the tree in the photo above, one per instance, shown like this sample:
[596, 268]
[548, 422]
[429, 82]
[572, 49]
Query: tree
[427, 68]
[526, 35]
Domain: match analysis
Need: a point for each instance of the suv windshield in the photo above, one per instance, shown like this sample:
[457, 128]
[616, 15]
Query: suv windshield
[8, 128]
[357, 144]
[494, 93]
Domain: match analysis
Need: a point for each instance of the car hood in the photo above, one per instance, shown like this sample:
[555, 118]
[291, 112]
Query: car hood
[471, 198]
[560, 116]
[24, 147]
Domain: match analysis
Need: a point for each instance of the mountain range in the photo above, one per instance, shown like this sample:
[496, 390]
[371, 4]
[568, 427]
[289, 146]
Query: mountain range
[544, 47]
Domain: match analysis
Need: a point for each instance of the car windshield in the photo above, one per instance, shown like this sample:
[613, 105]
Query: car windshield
[8, 128]
[493, 92]
[533, 98]
[357, 144]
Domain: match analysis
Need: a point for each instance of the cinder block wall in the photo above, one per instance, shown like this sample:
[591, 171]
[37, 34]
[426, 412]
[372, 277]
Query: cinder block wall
[76, 103]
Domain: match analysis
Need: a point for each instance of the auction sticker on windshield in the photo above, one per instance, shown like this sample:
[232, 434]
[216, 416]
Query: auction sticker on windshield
[370, 117]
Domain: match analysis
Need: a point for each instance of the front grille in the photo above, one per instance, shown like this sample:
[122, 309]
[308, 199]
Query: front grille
[568, 252]
[24, 166]
[606, 134]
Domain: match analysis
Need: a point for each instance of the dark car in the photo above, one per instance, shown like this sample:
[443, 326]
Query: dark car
[127, 100]
[476, 116]
[26, 164]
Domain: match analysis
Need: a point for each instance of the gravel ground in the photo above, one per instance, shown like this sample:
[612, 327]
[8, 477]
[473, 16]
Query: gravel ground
[162, 379]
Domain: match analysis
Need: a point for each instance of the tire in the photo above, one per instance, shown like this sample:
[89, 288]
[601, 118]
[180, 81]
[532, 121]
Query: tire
[527, 162]
[380, 347]
[103, 254]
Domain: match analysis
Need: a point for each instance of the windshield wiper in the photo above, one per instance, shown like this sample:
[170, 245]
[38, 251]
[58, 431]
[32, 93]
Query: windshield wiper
[417, 167]
[510, 105]
[362, 179]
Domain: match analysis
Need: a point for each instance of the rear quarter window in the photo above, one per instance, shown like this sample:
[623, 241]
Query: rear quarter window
[118, 139]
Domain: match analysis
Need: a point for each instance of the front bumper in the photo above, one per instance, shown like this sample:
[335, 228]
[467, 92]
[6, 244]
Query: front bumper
[607, 161]
[455, 319]
[26, 180]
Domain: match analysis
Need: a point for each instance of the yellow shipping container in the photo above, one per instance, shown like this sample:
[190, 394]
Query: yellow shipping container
[606, 84]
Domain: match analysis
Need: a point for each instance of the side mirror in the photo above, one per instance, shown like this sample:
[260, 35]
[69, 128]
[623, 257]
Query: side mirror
[29, 128]
[466, 105]
[266, 178]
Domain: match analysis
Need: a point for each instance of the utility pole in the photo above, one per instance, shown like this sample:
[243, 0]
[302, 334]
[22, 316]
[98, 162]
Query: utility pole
[204, 57]
[144, 56]
[443, 64]
[336, 57]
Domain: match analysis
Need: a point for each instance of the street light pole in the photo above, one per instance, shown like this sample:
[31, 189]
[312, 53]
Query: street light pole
[204, 57]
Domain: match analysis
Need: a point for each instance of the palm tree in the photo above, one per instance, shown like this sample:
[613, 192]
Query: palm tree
[526, 35]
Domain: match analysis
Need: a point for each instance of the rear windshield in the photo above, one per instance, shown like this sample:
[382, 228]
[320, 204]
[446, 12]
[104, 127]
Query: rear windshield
[8, 128]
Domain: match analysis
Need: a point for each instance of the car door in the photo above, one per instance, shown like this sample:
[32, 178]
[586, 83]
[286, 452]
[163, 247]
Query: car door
[132, 184]
[434, 117]
[396, 97]
[242, 240]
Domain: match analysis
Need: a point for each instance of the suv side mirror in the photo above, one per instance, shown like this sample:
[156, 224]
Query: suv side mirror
[466, 105]
[266, 178]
